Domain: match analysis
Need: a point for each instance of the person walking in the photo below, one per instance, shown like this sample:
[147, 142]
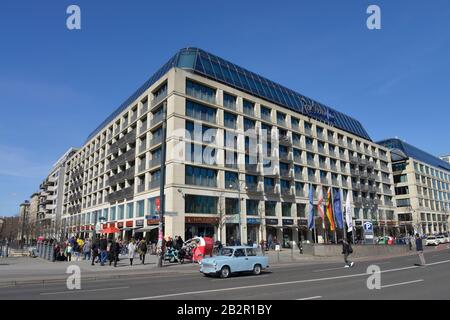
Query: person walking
[346, 251]
[103, 245]
[131, 251]
[68, 252]
[142, 250]
[87, 250]
[95, 252]
[114, 251]
[419, 249]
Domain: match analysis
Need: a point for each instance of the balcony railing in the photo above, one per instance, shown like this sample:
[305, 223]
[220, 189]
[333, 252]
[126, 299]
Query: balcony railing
[249, 112]
[155, 141]
[154, 163]
[156, 120]
[298, 159]
[141, 188]
[154, 184]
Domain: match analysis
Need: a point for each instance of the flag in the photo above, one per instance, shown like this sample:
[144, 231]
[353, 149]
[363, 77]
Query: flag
[311, 209]
[348, 215]
[330, 210]
[338, 209]
[320, 203]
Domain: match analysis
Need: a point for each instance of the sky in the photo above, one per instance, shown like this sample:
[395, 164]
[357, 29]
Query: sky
[57, 85]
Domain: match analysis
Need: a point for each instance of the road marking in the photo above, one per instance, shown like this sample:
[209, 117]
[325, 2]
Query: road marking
[274, 284]
[401, 283]
[80, 291]
[310, 298]
[339, 268]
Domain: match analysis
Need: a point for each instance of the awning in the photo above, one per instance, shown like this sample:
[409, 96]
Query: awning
[146, 229]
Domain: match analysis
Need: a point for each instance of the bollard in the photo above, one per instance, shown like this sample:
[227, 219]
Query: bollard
[49, 249]
[292, 250]
[52, 256]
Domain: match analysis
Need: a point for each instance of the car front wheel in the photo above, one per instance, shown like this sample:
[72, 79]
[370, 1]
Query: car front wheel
[257, 269]
[225, 272]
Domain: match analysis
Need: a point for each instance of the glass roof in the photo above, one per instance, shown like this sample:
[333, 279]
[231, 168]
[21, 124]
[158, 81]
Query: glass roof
[218, 69]
[415, 153]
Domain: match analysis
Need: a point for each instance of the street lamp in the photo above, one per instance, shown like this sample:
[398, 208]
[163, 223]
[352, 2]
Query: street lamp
[238, 185]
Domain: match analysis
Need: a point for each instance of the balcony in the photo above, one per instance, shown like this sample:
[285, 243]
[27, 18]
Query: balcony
[142, 166]
[309, 147]
[270, 189]
[285, 156]
[141, 188]
[155, 141]
[157, 119]
[154, 163]
[286, 192]
[323, 180]
[300, 193]
[298, 176]
[285, 173]
[266, 117]
[355, 173]
[311, 163]
[158, 99]
[295, 127]
[154, 184]
[384, 168]
[143, 127]
[133, 117]
[285, 140]
[354, 160]
[335, 182]
[252, 188]
[251, 168]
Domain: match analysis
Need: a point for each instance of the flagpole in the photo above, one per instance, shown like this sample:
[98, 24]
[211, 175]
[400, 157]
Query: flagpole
[344, 230]
[333, 213]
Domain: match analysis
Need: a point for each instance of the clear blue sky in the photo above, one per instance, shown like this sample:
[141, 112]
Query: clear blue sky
[396, 81]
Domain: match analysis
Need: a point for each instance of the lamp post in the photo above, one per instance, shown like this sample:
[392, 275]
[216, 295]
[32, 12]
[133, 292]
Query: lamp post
[238, 184]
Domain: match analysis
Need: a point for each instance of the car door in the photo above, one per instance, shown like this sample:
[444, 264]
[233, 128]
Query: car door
[239, 260]
[252, 258]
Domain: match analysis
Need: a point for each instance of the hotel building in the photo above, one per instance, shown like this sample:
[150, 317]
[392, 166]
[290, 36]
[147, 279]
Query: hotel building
[241, 152]
[421, 187]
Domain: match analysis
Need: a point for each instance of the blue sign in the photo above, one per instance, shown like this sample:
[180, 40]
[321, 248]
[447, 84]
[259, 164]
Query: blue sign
[288, 222]
[368, 226]
[149, 217]
[253, 221]
[273, 222]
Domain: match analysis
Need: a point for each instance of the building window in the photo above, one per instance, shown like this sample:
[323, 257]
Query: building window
[301, 210]
[121, 212]
[130, 210]
[252, 207]
[200, 91]
[200, 132]
[270, 208]
[400, 179]
[403, 202]
[286, 209]
[265, 113]
[285, 186]
[401, 190]
[231, 180]
[160, 93]
[251, 181]
[200, 204]
[230, 120]
[229, 101]
[201, 176]
[140, 208]
[249, 124]
[200, 112]
[231, 206]
[249, 107]
[281, 118]
[112, 215]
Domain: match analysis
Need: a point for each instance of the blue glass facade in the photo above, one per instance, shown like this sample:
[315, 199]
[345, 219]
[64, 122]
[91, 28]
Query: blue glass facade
[218, 69]
[413, 152]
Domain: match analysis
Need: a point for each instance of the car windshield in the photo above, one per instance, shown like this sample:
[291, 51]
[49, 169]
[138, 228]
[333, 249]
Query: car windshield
[228, 252]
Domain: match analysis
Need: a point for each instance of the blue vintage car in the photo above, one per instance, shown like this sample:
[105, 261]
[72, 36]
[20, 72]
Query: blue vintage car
[234, 259]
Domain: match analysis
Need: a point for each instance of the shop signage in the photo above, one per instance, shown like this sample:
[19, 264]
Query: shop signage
[112, 224]
[272, 222]
[232, 218]
[119, 225]
[253, 221]
[302, 222]
[316, 110]
[288, 222]
[140, 223]
[152, 217]
[82, 228]
[358, 223]
[152, 222]
[205, 220]
[129, 224]
[391, 223]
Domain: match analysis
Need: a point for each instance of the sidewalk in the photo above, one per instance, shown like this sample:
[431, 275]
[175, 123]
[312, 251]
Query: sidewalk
[25, 270]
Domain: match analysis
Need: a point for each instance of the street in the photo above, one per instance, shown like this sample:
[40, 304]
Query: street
[400, 279]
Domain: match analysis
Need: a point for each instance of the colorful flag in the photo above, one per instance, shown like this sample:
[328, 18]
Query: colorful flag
[311, 209]
[338, 209]
[320, 203]
[348, 214]
[330, 210]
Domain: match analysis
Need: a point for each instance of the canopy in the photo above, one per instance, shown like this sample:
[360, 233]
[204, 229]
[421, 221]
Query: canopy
[146, 229]
[109, 230]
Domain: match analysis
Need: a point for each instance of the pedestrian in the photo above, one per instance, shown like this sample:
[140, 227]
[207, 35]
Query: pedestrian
[142, 250]
[68, 252]
[346, 251]
[87, 250]
[419, 249]
[131, 251]
[103, 246]
[114, 251]
[56, 250]
[95, 252]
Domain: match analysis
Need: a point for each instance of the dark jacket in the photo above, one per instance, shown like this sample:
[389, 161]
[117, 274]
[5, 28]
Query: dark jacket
[419, 244]
[103, 244]
[346, 247]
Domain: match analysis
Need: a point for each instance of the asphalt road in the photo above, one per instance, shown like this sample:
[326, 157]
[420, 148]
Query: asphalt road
[400, 279]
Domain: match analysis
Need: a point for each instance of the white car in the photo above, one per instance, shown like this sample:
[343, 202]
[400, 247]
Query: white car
[432, 241]
[441, 239]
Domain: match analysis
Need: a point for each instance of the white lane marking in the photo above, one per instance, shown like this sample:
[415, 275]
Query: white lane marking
[310, 298]
[339, 268]
[277, 283]
[81, 291]
[401, 283]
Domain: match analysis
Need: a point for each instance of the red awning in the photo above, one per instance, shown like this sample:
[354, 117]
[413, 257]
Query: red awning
[110, 230]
